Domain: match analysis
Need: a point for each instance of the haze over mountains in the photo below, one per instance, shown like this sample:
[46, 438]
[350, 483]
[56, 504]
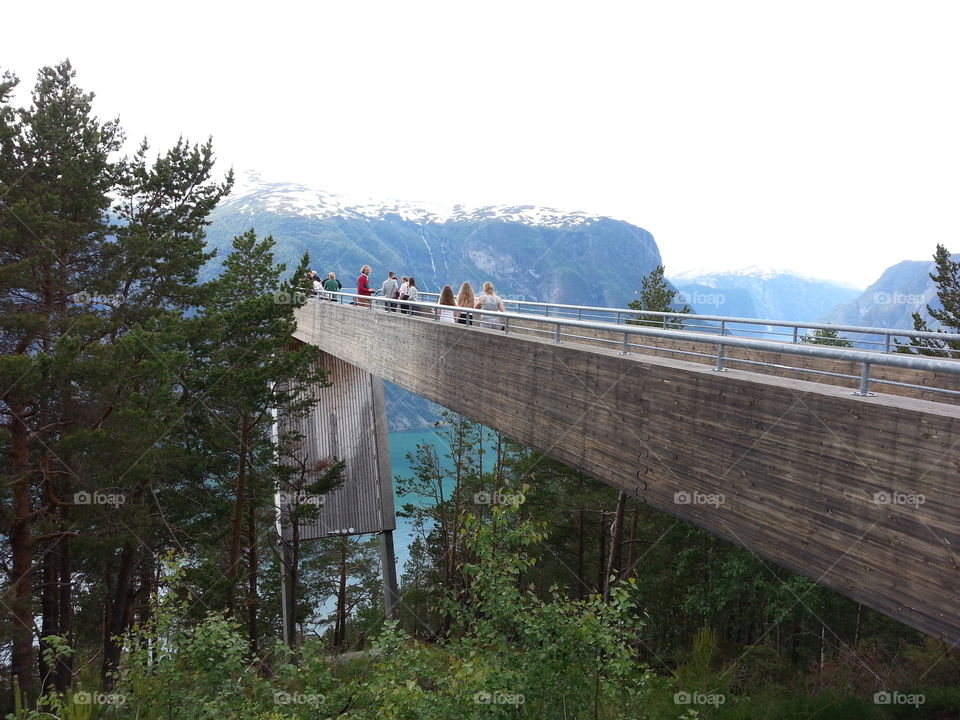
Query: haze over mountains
[903, 289]
[761, 292]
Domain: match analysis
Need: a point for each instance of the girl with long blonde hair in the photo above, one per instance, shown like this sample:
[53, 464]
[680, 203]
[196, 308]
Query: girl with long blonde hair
[466, 298]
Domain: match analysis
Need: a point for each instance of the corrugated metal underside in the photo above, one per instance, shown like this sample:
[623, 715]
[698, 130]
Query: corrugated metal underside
[348, 423]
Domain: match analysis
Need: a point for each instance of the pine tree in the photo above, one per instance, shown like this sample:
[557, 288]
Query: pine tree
[656, 295]
[254, 367]
[827, 337]
[90, 328]
[947, 279]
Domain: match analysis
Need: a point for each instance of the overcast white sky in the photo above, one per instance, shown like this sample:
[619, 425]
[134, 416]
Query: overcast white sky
[822, 137]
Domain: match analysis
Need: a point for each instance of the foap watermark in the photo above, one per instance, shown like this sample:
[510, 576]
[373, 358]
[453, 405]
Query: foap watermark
[86, 298]
[700, 299]
[99, 497]
[84, 697]
[498, 697]
[698, 698]
[285, 297]
[898, 698]
[896, 497]
[298, 698]
[299, 498]
[515, 297]
[898, 298]
[686, 497]
[499, 498]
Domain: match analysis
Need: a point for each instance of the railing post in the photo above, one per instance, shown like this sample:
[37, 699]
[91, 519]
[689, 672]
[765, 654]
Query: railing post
[864, 390]
[506, 325]
[664, 322]
[626, 344]
[721, 357]
[723, 328]
[556, 337]
[886, 343]
[618, 318]
[796, 330]
[579, 313]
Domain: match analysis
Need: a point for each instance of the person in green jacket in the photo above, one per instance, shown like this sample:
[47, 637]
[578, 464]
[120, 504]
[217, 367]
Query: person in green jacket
[332, 285]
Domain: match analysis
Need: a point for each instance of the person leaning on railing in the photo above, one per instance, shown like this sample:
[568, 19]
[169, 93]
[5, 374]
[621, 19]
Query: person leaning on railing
[465, 298]
[391, 290]
[490, 302]
[402, 294]
[363, 287]
[445, 314]
[413, 295]
[332, 285]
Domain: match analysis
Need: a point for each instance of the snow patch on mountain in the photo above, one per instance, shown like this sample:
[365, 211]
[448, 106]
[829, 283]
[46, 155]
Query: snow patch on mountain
[251, 194]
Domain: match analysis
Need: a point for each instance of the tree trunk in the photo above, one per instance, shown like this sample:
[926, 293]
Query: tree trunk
[856, 629]
[65, 603]
[294, 580]
[56, 613]
[581, 583]
[118, 615]
[631, 547]
[252, 597]
[340, 629]
[49, 615]
[21, 546]
[603, 552]
[236, 534]
[616, 542]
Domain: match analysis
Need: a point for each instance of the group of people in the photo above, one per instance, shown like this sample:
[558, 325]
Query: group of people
[328, 284]
[402, 292]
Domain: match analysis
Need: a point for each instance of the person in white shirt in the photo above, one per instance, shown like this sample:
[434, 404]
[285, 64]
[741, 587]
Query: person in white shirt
[445, 314]
[413, 295]
[402, 294]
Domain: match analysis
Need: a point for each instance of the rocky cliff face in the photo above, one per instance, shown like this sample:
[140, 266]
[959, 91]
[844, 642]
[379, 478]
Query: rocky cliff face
[902, 289]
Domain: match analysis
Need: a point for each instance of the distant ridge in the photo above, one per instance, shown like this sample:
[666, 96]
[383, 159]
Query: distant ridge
[762, 292]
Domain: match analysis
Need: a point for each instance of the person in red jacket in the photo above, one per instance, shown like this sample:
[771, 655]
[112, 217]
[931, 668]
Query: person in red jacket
[363, 286]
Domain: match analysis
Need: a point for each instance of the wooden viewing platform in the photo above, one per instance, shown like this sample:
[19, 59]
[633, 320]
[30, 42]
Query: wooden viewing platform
[860, 494]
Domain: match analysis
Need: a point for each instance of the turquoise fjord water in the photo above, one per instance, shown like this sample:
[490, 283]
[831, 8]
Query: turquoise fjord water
[402, 444]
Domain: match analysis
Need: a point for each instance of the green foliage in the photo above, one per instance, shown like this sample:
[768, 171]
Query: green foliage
[656, 295]
[826, 337]
[947, 279]
[173, 669]
[513, 654]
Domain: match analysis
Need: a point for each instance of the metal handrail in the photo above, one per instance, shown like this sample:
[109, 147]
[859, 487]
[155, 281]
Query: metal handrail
[860, 329]
[866, 358]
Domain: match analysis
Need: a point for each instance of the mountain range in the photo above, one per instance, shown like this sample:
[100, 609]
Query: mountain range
[528, 252]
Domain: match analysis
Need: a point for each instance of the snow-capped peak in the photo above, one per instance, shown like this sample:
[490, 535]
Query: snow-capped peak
[251, 193]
